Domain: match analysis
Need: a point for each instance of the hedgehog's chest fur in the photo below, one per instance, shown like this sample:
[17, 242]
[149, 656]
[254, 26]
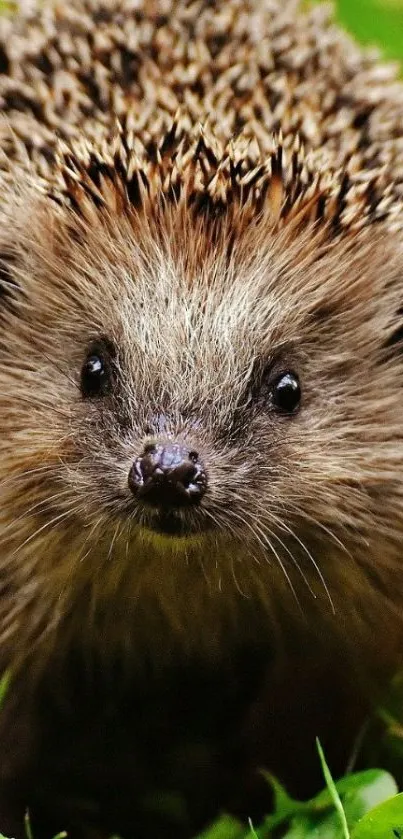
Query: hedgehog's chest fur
[177, 745]
[133, 716]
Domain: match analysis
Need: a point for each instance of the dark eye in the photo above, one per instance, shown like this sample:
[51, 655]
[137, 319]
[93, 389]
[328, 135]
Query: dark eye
[96, 374]
[286, 393]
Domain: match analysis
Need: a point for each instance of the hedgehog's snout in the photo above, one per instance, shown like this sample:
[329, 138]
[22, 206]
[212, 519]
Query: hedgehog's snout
[168, 476]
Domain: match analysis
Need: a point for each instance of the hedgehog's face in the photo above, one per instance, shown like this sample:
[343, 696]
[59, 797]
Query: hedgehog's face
[183, 397]
[188, 422]
[225, 408]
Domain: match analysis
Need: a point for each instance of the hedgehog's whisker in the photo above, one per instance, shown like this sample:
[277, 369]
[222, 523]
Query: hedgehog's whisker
[293, 560]
[309, 518]
[266, 542]
[311, 559]
[234, 577]
[114, 537]
[263, 539]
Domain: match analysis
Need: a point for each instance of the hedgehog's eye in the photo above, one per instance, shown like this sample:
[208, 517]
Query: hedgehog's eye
[95, 374]
[286, 393]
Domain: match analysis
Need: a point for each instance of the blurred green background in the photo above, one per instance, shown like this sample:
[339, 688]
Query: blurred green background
[375, 22]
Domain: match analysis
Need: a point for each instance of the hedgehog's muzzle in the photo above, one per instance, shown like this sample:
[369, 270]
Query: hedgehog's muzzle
[168, 478]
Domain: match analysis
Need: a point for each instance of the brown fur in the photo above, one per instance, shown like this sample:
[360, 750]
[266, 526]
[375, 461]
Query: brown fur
[205, 256]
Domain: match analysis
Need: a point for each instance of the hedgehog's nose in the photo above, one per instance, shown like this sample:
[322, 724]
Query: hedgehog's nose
[168, 476]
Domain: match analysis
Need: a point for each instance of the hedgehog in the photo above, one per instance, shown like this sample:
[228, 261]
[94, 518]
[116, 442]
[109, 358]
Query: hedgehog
[201, 457]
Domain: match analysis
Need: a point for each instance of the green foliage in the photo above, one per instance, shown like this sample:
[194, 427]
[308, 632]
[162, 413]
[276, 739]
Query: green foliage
[383, 821]
[378, 22]
[360, 806]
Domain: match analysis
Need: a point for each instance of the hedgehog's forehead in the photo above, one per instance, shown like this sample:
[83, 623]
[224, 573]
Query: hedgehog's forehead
[212, 313]
[181, 340]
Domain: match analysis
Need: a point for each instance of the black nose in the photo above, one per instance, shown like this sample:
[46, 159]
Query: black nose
[168, 476]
